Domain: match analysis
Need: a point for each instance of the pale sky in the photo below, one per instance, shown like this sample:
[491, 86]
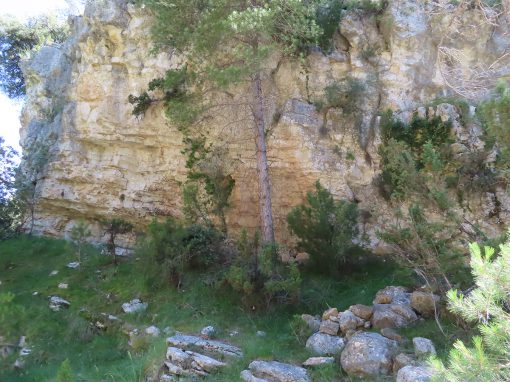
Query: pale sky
[23, 9]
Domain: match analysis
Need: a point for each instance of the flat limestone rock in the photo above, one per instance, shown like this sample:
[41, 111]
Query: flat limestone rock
[212, 346]
[279, 372]
[318, 361]
[57, 303]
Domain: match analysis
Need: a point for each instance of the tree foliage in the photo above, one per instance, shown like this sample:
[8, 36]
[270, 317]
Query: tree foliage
[325, 228]
[17, 40]
[10, 209]
[487, 305]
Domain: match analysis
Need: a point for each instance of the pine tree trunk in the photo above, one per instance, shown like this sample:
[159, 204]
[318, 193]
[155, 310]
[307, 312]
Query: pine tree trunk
[265, 204]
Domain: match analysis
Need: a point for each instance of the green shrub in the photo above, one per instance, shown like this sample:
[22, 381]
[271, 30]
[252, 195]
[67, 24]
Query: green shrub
[417, 133]
[260, 276]
[426, 247]
[487, 306]
[325, 228]
[113, 228]
[344, 94]
[79, 235]
[65, 372]
[172, 248]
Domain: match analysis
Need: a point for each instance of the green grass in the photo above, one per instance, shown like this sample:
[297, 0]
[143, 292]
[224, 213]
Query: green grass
[99, 286]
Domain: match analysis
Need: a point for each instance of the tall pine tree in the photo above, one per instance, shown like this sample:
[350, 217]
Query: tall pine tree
[226, 43]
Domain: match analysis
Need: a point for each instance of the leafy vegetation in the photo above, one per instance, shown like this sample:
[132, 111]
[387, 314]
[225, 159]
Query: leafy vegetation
[101, 287]
[174, 248]
[113, 228]
[487, 306]
[325, 228]
[18, 40]
[10, 209]
[261, 277]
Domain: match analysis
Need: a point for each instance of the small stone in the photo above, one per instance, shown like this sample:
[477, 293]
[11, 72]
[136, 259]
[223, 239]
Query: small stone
[425, 303]
[54, 273]
[168, 330]
[318, 361]
[134, 306]
[73, 265]
[423, 347]
[367, 325]
[414, 374]
[57, 303]
[313, 323]
[362, 311]
[401, 360]
[329, 327]
[324, 344]
[152, 331]
[208, 332]
[234, 333]
[35, 293]
[63, 286]
[331, 312]
[392, 334]
[261, 333]
[349, 321]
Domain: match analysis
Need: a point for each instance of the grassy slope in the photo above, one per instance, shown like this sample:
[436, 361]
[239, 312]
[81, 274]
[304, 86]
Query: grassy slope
[25, 265]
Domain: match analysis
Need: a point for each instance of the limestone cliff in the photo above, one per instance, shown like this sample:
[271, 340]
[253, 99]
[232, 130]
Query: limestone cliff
[105, 162]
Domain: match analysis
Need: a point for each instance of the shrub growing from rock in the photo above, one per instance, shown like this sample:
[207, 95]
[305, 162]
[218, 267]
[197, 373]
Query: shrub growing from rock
[326, 228]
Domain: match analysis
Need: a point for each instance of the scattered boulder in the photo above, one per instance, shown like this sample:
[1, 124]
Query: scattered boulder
[392, 316]
[208, 332]
[362, 311]
[393, 295]
[331, 312]
[414, 374]
[275, 372]
[325, 344]
[53, 273]
[152, 331]
[329, 327]
[312, 322]
[63, 286]
[58, 303]
[423, 347]
[368, 355]
[349, 321]
[73, 265]
[261, 333]
[134, 306]
[402, 360]
[318, 361]
[424, 303]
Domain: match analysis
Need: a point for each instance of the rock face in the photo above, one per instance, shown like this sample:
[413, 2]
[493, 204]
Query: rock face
[368, 355]
[105, 162]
